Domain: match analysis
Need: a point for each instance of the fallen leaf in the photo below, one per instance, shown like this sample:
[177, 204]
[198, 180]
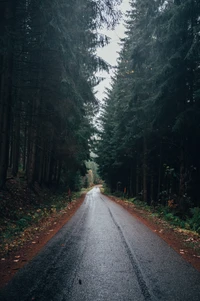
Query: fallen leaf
[16, 260]
[33, 242]
[196, 256]
[189, 239]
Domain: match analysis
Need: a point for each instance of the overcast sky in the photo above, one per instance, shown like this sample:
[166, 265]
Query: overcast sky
[110, 52]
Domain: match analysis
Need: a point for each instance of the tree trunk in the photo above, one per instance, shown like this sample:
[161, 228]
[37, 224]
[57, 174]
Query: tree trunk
[41, 163]
[182, 174]
[144, 168]
[131, 181]
[152, 191]
[159, 171]
[59, 172]
[6, 88]
[16, 141]
[33, 132]
[24, 159]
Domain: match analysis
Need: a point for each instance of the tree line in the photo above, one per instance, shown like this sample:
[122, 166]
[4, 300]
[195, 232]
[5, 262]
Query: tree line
[47, 73]
[150, 137]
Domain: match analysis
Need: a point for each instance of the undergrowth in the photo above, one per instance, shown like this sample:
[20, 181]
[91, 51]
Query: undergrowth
[189, 222]
[19, 212]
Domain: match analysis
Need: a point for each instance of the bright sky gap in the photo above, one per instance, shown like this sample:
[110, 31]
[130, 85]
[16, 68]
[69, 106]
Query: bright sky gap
[110, 53]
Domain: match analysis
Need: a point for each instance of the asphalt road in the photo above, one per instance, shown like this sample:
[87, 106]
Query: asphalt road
[104, 253]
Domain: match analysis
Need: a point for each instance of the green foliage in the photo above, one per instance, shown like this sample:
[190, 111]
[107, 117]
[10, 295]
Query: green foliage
[52, 51]
[118, 194]
[77, 185]
[23, 222]
[86, 182]
[140, 204]
[168, 214]
[105, 189]
[91, 165]
[194, 221]
[149, 139]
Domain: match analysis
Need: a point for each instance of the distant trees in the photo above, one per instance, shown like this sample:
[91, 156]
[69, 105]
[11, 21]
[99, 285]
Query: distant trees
[151, 120]
[47, 74]
[92, 177]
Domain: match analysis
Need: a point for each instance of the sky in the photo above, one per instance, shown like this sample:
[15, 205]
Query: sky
[110, 52]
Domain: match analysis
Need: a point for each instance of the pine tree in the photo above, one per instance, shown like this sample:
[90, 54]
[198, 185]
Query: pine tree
[153, 107]
[48, 61]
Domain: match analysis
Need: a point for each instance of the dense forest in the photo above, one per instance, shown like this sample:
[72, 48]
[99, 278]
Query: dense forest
[149, 142]
[48, 63]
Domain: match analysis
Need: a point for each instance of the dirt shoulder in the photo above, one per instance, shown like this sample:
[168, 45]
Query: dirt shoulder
[37, 238]
[184, 242]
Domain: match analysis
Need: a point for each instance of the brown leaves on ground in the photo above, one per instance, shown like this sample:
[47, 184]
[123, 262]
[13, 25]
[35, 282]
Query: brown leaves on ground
[25, 211]
[30, 242]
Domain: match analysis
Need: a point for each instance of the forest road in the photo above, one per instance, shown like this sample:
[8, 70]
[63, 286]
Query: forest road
[104, 253]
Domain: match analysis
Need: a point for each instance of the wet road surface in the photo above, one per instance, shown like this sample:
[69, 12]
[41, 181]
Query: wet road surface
[104, 253]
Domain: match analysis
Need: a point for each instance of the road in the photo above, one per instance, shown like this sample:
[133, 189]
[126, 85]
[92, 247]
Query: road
[104, 253]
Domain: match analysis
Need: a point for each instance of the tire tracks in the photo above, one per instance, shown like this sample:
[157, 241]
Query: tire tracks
[134, 262]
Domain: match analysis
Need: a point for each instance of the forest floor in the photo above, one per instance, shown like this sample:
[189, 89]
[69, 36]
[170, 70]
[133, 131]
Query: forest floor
[33, 238]
[29, 218]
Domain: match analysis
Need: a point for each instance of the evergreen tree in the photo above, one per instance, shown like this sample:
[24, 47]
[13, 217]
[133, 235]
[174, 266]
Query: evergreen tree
[152, 110]
[48, 62]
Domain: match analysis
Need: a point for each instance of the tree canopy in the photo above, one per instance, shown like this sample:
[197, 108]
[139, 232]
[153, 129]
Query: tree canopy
[149, 141]
[48, 63]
